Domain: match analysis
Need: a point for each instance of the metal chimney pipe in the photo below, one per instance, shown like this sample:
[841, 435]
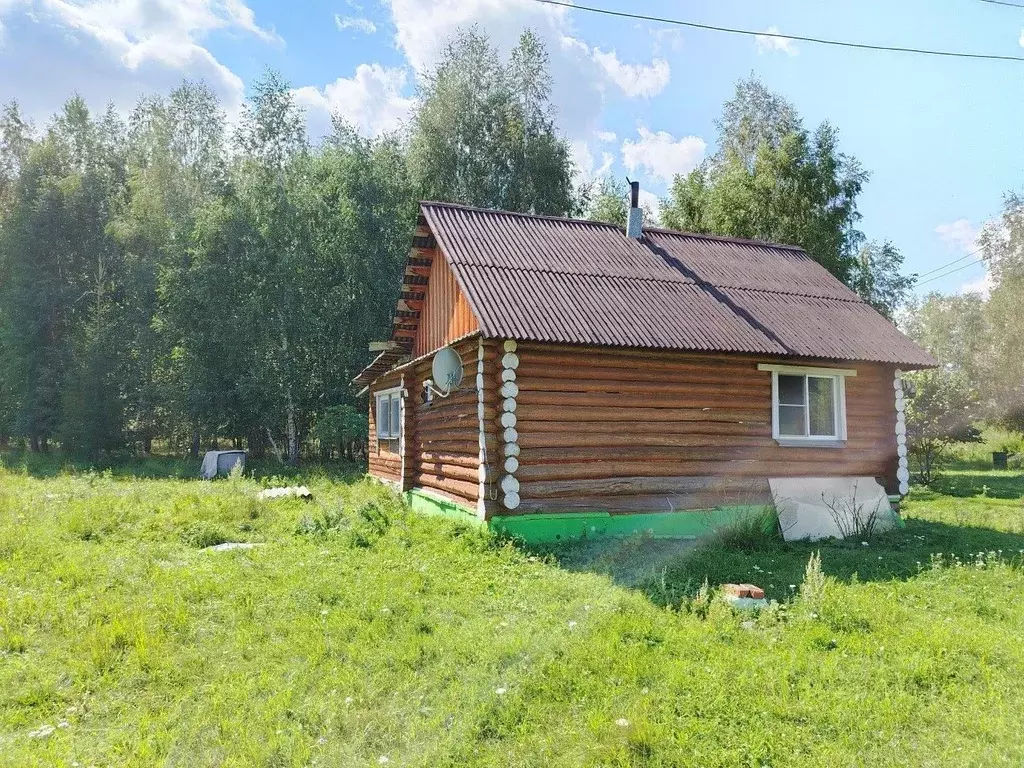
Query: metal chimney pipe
[635, 220]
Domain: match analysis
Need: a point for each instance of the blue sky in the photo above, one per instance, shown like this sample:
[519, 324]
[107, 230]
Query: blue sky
[941, 137]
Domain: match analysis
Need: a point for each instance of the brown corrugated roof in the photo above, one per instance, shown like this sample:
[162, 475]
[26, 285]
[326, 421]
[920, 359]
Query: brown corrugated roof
[542, 278]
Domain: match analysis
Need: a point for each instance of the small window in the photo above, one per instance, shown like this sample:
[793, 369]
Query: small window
[808, 404]
[389, 414]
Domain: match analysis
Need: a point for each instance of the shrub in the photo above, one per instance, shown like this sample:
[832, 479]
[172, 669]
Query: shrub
[749, 532]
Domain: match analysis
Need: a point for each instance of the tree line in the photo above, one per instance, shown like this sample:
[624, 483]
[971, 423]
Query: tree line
[976, 339]
[173, 279]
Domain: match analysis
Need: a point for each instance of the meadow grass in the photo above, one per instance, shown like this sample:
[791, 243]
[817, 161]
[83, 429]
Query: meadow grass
[358, 633]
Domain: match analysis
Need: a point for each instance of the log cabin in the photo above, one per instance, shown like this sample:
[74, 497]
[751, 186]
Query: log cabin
[617, 381]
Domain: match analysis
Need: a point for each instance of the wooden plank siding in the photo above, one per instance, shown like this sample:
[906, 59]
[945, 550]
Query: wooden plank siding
[446, 315]
[622, 430]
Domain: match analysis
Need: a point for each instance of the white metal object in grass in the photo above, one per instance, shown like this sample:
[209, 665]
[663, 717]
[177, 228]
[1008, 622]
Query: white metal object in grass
[831, 507]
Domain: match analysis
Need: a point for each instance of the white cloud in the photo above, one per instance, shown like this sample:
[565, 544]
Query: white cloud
[585, 163]
[662, 155]
[356, 23]
[116, 50]
[372, 100]
[959, 235]
[652, 203]
[606, 137]
[772, 42]
[635, 80]
[582, 76]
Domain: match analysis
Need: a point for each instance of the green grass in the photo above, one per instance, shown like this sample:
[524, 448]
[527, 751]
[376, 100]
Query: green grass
[358, 631]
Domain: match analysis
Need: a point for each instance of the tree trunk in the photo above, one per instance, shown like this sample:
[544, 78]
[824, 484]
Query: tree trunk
[147, 445]
[292, 429]
[194, 449]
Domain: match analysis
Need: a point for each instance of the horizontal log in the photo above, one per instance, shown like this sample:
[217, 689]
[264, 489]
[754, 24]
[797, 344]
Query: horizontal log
[672, 385]
[628, 367]
[461, 491]
[601, 427]
[638, 413]
[586, 369]
[455, 446]
[448, 472]
[575, 439]
[633, 486]
[691, 399]
[460, 431]
[764, 452]
[827, 465]
[448, 416]
[430, 459]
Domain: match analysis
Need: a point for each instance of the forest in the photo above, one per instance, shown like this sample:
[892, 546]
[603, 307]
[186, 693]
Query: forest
[173, 280]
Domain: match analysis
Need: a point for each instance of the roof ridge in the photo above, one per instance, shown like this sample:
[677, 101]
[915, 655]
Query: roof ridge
[519, 214]
[593, 222]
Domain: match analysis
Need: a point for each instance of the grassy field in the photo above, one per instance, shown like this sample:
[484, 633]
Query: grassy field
[358, 634]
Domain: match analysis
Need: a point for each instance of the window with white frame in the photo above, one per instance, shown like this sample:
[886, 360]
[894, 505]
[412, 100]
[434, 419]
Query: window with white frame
[389, 414]
[808, 404]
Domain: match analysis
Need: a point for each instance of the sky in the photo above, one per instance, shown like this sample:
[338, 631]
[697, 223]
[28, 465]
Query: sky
[941, 138]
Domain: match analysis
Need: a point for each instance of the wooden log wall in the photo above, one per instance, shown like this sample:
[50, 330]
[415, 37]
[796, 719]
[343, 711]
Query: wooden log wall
[443, 439]
[445, 315]
[624, 431]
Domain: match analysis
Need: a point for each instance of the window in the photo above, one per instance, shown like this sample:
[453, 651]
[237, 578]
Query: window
[808, 404]
[389, 414]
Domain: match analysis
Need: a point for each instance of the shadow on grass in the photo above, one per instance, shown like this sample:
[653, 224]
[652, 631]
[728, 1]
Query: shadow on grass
[669, 571]
[996, 484]
[170, 467]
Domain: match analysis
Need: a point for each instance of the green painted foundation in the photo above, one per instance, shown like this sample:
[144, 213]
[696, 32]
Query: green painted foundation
[558, 526]
[542, 528]
[428, 504]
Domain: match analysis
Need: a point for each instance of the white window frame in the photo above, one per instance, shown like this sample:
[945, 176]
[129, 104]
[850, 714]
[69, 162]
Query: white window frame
[390, 394]
[838, 377]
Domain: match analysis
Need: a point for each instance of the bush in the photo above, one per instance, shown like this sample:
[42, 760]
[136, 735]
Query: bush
[940, 414]
[749, 532]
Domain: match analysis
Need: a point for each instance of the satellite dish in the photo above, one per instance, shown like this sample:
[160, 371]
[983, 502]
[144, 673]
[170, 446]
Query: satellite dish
[447, 370]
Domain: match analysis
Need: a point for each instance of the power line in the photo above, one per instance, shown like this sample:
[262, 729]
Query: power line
[947, 274]
[801, 38]
[1002, 2]
[951, 263]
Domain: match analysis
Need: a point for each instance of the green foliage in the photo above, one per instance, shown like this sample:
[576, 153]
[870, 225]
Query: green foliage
[955, 330]
[484, 132]
[878, 280]
[611, 203]
[340, 427]
[749, 532]
[979, 336]
[159, 282]
[771, 179]
[438, 646]
[942, 412]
